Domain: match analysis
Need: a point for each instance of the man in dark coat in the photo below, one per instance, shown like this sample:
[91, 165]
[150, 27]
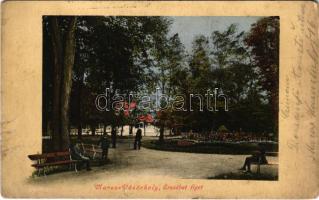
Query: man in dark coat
[76, 154]
[257, 157]
[138, 138]
[113, 136]
[104, 142]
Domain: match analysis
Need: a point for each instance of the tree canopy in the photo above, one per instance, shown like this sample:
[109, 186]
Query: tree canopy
[138, 54]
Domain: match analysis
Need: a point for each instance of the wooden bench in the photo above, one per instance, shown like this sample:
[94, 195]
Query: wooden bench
[259, 163]
[91, 149]
[43, 161]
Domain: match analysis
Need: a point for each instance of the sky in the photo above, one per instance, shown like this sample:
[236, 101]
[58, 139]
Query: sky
[188, 27]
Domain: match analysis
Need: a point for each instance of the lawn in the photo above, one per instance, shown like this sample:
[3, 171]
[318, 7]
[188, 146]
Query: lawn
[242, 148]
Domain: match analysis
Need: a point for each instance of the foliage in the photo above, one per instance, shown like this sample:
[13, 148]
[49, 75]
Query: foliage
[222, 128]
[138, 54]
[264, 42]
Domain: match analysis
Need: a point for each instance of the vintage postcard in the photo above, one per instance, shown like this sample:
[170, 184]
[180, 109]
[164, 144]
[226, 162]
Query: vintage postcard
[159, 99]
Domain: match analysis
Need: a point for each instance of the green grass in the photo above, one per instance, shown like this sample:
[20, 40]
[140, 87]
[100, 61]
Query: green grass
[53, 170]
[211, 148]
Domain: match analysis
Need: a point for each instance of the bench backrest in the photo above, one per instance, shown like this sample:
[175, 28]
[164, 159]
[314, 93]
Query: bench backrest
[89, 146]
[51, 157]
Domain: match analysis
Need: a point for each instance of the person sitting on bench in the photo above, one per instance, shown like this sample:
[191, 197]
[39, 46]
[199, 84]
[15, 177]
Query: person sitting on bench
[257, 157]
[76, 154]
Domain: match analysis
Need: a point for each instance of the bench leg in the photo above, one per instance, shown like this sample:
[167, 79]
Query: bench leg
[75, 167]
[44, 172]
[258, 169]
[39, 172]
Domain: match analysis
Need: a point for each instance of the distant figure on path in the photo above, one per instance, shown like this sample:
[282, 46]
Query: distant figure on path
[113, 136]
[76, 154]
[104, 142]
[138, 138]
[259, 156]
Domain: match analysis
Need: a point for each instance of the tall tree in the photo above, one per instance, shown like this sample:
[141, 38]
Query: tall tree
[230, 60]
[63, 56]
[200, 81]
[264, 42]
[112, 52]
[57, 72]
[170, 60]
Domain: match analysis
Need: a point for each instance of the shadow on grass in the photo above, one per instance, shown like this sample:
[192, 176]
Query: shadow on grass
[245, 176]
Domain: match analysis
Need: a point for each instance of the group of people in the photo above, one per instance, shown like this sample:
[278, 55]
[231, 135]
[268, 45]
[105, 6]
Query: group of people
[78, 154]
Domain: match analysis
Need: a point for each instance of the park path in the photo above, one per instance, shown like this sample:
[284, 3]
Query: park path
[126, 162]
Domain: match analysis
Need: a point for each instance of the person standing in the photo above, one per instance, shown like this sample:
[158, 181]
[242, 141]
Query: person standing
[138, 138]
[104, 142]
[113, 136]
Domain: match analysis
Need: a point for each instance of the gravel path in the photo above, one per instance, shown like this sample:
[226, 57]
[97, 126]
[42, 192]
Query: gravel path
[126, 162]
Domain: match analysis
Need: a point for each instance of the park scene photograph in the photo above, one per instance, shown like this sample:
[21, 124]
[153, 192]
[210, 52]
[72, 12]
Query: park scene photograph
[186, 97]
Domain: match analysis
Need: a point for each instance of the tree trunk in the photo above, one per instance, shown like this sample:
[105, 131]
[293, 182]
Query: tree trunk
[69, 54]
[161, 136]
[122, 129]
[79, 110]
[93, 128]
[104, 128]
[144, 129]
[57, 59]
[79, 131]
